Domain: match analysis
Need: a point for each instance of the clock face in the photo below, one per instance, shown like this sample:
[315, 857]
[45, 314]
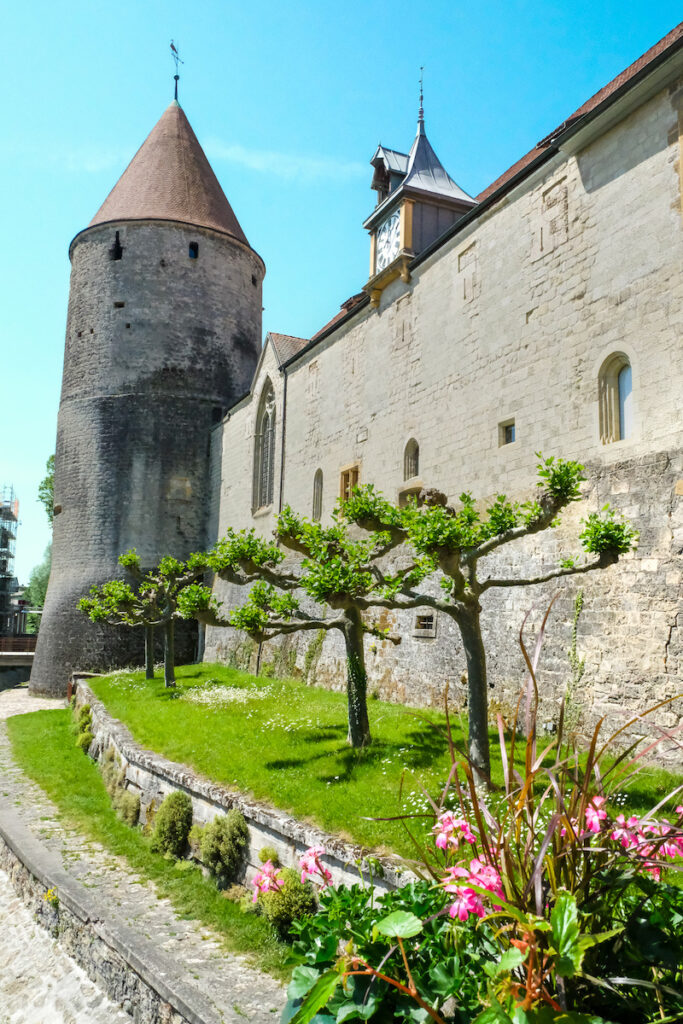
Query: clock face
[388, 241]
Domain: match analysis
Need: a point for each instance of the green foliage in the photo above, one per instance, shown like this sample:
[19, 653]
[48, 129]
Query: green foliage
[196, 599]
[607, 532]
[446, 961]
[46, 489]
[223, 845]
[264, 601]
[37, 587]
[84, 739]
[561, 478]
[172, 824]
[113, 599]
[238, 548]
[269, 853]
[293, 901]
[84, 733]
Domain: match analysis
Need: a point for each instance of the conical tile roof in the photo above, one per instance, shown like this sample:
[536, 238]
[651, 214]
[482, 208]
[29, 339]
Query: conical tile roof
[169, 178]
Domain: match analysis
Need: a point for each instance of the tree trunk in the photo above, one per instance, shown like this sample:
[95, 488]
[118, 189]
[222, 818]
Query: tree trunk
[356, 680]
[169, 653]
[477, 691]
[149, 652]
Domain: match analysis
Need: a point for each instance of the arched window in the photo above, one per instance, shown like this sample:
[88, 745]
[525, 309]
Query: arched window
[264, 450]
[411, 460]
[317, 496]
[615, 386]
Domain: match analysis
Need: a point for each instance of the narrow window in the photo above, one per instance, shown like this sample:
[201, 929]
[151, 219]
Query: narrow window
[264, 450]
[615, 398]
[317, 496]
[506, 432]
[624, 386]
[349, 480]
[116, 251]
[119, 305]
[411, 460]
[193, 251]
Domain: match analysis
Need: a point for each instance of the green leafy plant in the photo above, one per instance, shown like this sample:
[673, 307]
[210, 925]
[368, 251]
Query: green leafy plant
[223, 845]
[172, 824]
[548, 871]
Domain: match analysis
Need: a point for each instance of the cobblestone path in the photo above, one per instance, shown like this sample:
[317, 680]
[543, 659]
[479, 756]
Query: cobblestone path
[227, 979]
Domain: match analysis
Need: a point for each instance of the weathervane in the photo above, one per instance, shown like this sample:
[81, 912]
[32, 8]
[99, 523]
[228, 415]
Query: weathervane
[421, 115]
[176, 60]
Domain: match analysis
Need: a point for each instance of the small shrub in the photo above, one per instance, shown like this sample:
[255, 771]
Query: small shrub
[268, 853]
[172, 824]
[85, 714]
[223, 845]
[84, 740]
[292, 901]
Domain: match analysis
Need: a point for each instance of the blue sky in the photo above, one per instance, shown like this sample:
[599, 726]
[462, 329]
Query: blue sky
[289, 101]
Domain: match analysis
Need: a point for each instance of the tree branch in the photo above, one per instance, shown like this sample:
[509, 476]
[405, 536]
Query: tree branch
[604, 559]
[275, 628]
[550, 507]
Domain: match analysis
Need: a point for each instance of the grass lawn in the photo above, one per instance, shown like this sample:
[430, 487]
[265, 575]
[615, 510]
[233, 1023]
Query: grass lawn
[44, 746]
[285, 743]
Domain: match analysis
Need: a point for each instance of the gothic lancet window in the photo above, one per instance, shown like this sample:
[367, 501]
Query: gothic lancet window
[317, 496]
[411, 460]
[615, 395]
[264, 450]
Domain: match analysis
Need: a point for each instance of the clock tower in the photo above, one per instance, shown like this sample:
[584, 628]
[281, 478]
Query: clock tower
[417, 201]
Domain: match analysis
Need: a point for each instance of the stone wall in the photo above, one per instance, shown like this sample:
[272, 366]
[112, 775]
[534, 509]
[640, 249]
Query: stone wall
[113, 963]
[512, 318]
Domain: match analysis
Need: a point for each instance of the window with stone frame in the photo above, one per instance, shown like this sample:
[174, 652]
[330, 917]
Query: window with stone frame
[348, 480]
[264, 450]
[615, 398]
[411, 460]
[317, 510]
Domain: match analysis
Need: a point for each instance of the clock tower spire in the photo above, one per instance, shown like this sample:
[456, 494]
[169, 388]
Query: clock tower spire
[417, 200]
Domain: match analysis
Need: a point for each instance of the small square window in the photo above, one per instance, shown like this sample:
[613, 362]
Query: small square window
[425, 623]
[506, 433]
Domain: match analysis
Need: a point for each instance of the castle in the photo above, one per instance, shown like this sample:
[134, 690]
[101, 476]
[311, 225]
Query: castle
[543, 314]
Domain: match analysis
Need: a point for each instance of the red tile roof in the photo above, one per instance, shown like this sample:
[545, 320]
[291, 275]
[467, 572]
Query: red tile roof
[287, 345]
[346, 308]
[621, 79]
[169, 178]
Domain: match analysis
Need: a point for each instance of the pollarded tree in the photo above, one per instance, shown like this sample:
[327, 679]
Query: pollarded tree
[153, 603]
[338, 572]
[455, 541]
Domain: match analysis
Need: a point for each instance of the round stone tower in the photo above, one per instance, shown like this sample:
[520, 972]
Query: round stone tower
[163, 334]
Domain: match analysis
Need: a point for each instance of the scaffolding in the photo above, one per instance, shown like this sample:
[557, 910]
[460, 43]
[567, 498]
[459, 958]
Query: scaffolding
[9, 517]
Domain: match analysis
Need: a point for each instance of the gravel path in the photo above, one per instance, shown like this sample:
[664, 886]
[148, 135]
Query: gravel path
[236, 989]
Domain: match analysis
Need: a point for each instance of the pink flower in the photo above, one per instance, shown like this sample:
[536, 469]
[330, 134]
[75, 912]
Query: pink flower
[467, 903]
[310, 865]
[624, 832]
[266, 880]
[595, 814]
[449, 831]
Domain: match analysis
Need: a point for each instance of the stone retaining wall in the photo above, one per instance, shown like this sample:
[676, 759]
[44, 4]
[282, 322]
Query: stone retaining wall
[116, 958]
[153, 777]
